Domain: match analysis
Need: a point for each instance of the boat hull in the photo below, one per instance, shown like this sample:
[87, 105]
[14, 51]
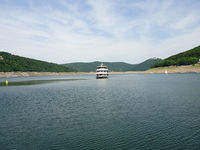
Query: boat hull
[101, 76]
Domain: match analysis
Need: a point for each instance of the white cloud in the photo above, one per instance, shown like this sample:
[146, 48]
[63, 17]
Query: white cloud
[185, 22]
[106, 31]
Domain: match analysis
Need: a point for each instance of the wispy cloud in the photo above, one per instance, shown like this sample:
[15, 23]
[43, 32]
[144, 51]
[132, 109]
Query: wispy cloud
[106, 30]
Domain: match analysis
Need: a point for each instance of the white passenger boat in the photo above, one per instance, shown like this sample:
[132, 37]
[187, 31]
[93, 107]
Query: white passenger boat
[102, 71]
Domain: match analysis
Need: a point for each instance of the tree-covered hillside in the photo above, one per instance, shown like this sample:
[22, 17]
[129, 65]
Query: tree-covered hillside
[185, 58]
[146, 64]
[91, 67]
[9, 63]
[113, 66]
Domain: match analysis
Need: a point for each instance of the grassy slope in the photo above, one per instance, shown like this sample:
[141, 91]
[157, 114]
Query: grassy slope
[12, 63]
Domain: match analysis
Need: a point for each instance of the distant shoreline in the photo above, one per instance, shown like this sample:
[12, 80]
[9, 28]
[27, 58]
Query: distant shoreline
[29, 74]
[170, 69]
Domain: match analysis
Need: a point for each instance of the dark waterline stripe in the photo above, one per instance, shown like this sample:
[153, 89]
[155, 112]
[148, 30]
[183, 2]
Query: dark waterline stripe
[34, 82]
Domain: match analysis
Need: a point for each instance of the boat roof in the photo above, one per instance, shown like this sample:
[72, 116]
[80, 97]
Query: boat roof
[101, 66]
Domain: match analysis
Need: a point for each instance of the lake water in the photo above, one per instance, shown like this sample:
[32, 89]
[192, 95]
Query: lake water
[135, 111]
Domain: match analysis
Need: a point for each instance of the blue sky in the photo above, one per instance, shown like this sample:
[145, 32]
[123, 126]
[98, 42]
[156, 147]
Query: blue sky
[64, 31]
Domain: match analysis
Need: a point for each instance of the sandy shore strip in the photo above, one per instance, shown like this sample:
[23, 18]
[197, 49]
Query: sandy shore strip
[27, 74]
[176, 69]
[171, 69]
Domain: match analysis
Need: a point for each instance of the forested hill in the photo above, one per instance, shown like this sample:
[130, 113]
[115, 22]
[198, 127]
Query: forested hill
[113, 66]
[91, 66]
[9, 63]
[189, 57]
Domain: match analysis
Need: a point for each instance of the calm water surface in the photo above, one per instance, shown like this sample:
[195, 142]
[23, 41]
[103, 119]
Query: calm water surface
[135, 111]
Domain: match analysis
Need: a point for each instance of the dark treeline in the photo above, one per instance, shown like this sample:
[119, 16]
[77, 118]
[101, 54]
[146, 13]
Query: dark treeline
[189, 57]
[9, 63]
